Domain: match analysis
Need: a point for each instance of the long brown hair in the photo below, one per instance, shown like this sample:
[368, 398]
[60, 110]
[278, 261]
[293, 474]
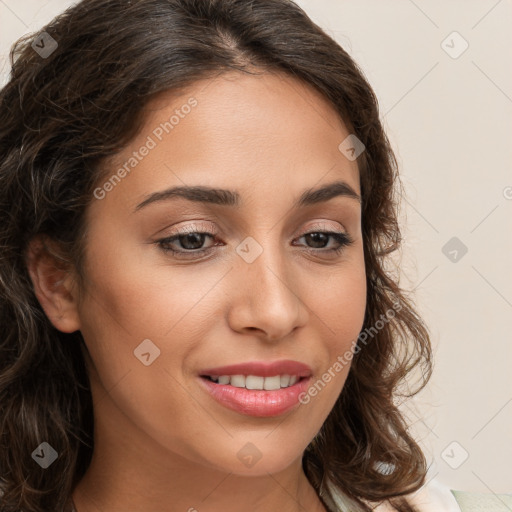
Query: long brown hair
[64, 113]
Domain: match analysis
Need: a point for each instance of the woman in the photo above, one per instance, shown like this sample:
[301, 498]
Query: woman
[197, 207]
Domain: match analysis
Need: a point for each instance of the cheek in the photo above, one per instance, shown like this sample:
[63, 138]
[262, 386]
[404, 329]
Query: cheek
[346, 306]
[128, 301]
[341, 301]
[130, 286]
[340, 307]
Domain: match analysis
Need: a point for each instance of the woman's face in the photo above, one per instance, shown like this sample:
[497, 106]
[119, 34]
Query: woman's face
[263, 289]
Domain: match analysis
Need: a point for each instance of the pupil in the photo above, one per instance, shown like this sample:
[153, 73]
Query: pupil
[315, 237]
[197, 237]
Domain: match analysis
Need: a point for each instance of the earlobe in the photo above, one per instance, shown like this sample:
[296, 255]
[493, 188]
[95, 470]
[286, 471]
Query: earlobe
[53, 285]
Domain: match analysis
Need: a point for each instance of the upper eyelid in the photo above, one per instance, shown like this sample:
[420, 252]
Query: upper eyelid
[199, 228]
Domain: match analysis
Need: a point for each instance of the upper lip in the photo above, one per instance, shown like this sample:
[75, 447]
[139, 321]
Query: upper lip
[261, 369]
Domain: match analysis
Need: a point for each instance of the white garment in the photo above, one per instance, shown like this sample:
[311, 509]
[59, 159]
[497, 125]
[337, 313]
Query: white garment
[432, 497]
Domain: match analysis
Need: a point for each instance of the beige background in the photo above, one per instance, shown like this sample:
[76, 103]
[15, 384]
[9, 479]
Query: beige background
[450, 122]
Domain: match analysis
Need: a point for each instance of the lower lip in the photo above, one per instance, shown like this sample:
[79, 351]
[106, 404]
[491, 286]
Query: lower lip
[257, 402]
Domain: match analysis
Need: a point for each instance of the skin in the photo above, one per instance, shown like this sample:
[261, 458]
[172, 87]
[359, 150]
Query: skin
[161, 442]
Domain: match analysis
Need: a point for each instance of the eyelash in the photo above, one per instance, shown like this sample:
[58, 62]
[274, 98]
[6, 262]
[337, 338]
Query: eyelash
[342, 238]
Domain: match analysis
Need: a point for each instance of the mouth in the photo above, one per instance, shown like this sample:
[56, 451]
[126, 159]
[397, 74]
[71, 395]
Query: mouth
[257, 388]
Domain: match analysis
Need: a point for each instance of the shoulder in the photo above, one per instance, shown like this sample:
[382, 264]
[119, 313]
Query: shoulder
[432, 497]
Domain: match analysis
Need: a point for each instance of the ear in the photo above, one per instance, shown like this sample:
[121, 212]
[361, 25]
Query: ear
[54, 284]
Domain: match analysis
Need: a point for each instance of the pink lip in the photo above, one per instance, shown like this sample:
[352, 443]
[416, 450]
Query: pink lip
[252, 402]
[261, 369]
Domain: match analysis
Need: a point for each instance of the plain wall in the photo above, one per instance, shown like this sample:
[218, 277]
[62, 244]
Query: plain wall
[449, 119]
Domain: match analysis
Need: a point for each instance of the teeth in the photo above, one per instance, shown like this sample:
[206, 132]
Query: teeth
[237, 380]
[253, 382]
[271, 383]
[256, 382]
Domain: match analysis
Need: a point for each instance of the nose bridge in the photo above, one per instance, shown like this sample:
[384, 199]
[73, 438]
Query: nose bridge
[268, 298]
[268, 273]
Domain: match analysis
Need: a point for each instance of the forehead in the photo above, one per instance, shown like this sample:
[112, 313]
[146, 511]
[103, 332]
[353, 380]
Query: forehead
[265, 134]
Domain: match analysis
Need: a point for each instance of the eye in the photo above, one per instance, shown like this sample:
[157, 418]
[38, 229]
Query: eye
[192, 242]
[320, 239]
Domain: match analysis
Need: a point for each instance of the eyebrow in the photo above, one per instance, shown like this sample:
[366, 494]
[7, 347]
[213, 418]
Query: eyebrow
[223, 197]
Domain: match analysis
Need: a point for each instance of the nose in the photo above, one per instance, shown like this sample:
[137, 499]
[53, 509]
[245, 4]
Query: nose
[266, 298]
